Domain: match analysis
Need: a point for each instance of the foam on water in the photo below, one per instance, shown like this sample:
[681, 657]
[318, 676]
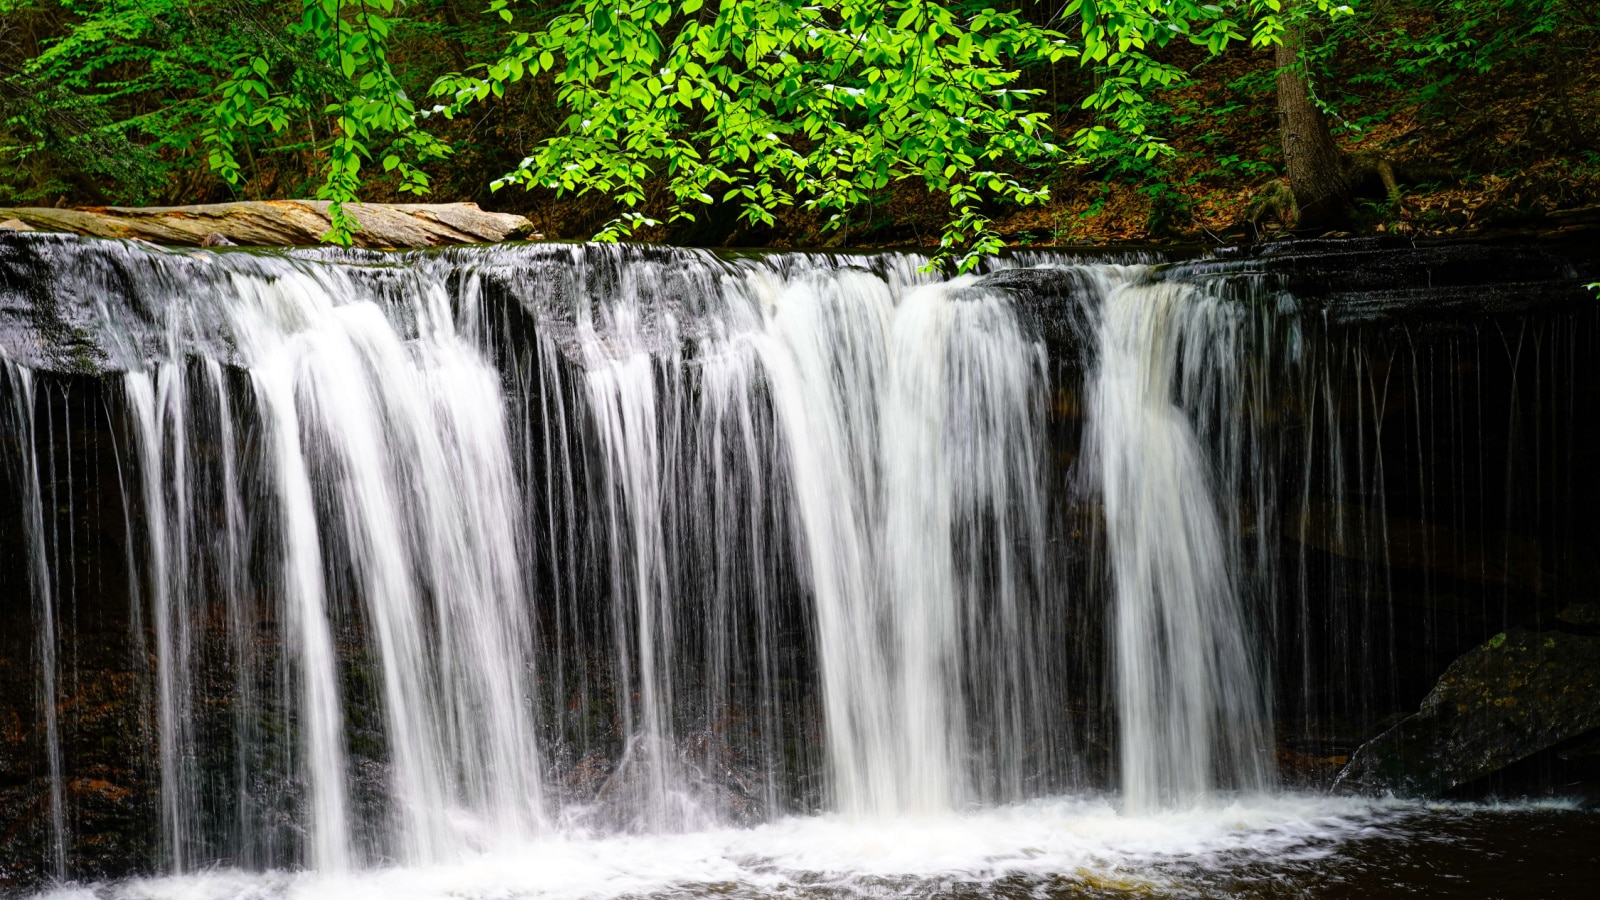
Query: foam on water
[1066, 841]
[1190, 695]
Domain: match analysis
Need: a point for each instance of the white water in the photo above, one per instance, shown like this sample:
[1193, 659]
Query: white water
[912, 427]
[735, 480]
[621, 378]
[391, 480]
[1064, 846]
[159, 411]
[1189, 696]
[20, 422]
[902, 456]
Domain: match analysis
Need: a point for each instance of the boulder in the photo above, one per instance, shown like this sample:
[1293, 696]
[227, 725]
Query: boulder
[1518, 694]
[278, 223]
[1583, 615]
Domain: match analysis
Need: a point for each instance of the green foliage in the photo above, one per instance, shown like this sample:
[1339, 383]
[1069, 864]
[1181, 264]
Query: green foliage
[69, 103]
[338, 50]
[1476, 35]
[663, 112]
[1121, 38]
[144, 96]
[770, 103]
[1416, 52]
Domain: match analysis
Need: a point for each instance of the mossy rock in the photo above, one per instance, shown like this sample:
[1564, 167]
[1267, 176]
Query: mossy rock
[1587, 614]
[1515, 695]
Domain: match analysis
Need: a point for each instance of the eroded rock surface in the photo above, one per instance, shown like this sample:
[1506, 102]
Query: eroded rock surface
[1517, 694]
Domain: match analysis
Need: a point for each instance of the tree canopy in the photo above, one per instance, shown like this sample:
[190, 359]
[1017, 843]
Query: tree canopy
[669, 112]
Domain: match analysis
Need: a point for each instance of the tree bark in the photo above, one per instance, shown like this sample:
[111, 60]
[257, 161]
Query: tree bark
[1315, 166]
[280, 223]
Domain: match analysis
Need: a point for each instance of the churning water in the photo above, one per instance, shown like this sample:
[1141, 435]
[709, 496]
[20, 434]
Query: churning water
[603, 572]
[1063, 848]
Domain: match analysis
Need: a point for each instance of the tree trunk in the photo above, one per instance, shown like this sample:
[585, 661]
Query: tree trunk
[1315, 166]
[278, 223]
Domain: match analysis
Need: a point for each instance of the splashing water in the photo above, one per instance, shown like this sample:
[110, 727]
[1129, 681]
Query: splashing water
[1070, 847]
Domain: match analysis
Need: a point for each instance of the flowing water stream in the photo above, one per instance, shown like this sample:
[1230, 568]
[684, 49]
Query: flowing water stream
[601, 572]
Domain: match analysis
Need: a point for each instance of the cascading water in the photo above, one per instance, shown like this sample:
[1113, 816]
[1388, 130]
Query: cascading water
[869, 437]
[1189, 692]
[386, 497]
[910, 428]
[898, 434]
[19, 390]
[571, 553]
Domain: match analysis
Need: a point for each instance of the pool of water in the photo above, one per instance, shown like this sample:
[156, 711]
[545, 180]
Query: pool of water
[1285, 846]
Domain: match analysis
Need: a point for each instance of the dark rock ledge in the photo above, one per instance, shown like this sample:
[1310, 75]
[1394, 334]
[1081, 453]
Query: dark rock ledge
[277, 223]
[1516, 696]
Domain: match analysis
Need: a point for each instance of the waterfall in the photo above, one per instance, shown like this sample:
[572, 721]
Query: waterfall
[1189, 692]
[410, 441]
[307, 630]
[386, 525]
[911, 429]
[159, 410]
[459, 551]
[901, 443]
[638, 459]
[20, 391]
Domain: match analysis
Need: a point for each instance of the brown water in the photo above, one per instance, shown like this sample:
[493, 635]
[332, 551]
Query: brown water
[1484, 853]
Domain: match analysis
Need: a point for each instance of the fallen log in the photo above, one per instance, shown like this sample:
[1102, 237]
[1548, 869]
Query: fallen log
[277, 223]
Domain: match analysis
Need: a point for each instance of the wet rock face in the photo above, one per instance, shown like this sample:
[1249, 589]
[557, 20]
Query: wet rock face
[104, 743]
[1518, 694]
